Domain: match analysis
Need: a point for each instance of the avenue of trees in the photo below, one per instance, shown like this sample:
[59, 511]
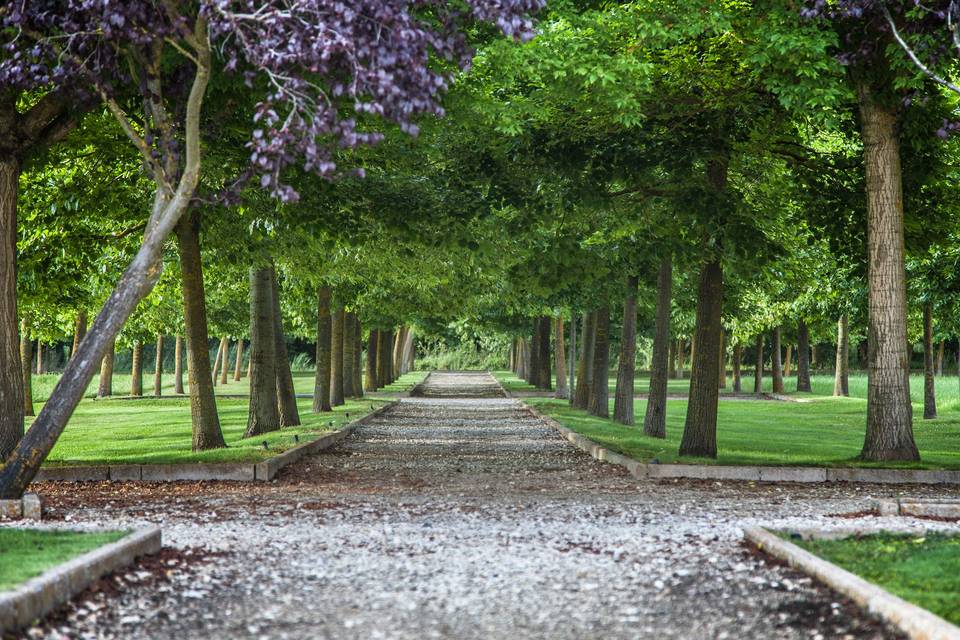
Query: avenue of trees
[741, 186]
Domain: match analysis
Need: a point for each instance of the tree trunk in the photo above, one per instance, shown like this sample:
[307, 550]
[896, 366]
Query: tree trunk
[391, 337]
[349, 345]
[598, 404]
[572, 357]
[681, 353]
[178, 365]
[383, 357]
[370, 379]
[655, 418]
[105, 389]
[511, 356]
[286, 393]
[79, 331]
[722, 373]
[813, 357]
[238, 361]
[803, 356]
[758, 366]
[321, 381]
[545, 373]
[737, 361]
[626, 367]
[398, 340]
[787, 361]
[533, 370]
[841, 386]
[940, 357]
[776, 364]
[357, 357]
[672, 360]
[41, 369]
[693, 354]
[263, 415]
[581, 395]
[409, 351]
[219, 360]
[26, 361]
[889, 433]
[12, 375]
[336, 356]
[700, 428]
[560, 359]
[158, 369]
[224, 359]
[136, 370]
[929, 390]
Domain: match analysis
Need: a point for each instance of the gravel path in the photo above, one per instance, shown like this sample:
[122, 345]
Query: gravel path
[460, 515]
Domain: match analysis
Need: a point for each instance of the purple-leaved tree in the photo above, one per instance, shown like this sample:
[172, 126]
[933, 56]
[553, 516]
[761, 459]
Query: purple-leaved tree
[319, 65]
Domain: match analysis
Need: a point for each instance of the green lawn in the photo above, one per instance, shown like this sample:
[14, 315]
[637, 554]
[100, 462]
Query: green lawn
[148, 431]
[26, 553]
[824, 431]
[924, 571]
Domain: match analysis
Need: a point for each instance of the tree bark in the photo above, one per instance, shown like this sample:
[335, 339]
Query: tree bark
[263, 415]
[722, 373]
[572, 357]
[758, 366]
[929, 382]
[787, 361]
[598, 404]
[511, 356]
[219, 360]
[11, 373]
[158, 369]
[626, 367]
[581, 395]
[79, 331]
[286, 393]
[560, 359]
[803, 356]
[370, 379]
[391, 337]
[533, 370]
[409, 351]
[178, 365]
[26, 359]
[737, 362]
[700, 428]
[357, 357]
[224, 359]
[349, 345]
[776, 364]
[841, 380]
[655, 418]
[398, 340]
[136, 370]
[545, 373]
[681, 353]
[336, 356]
[238, 361]
[672, 360]
[41, 369]
[105, 389]
[321, 381]
[383, 357]
[889, 433]
[204, 418]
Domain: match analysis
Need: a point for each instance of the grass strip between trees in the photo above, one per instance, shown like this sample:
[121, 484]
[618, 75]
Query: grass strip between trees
[27, 553]
[923, 570]
[824, 432]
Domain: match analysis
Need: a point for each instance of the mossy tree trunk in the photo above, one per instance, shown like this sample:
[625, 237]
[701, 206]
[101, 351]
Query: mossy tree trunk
[286, 393]
[776, 364]
[929, 382]
[263, 415]
[560, 359]
[321, 380]
[370, 373]
[581, 395]
[349, 345]
[598, 404]
[803, 356]
[336, 355]
[655, 418]
[623, 394]
[758, 366]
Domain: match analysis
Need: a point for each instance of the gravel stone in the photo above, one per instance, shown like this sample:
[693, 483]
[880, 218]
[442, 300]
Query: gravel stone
[459, 514]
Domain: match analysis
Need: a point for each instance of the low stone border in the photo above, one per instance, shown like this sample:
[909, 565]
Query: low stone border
[918, 507]
[26, 508]
[264, 471]
[41, 595]
[916, 622]
[749, 473]
[417, 390]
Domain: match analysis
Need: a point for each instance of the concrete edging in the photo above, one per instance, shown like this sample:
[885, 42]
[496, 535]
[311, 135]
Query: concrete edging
[39, 596]
[749, 473]
[916, 622]
[918, 507]
[264, 470]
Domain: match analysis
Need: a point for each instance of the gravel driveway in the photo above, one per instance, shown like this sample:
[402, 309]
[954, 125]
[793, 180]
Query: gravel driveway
[460, 515]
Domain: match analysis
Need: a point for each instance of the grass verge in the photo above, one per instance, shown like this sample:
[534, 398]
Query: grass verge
[922, 570]
[27, 553]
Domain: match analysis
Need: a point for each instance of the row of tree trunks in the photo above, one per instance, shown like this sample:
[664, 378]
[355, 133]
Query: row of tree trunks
[623, 395]
[560, 359]
[655, 418]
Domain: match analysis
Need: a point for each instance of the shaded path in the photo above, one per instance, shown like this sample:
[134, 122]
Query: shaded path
[459, 515]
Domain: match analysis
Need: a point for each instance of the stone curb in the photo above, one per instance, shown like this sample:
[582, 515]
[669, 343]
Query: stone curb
[265, 470]
[41, 595]
[918, 507]
[268, 469]
[749, 473]
[916, 622]
[417, 391]
[27, 508]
